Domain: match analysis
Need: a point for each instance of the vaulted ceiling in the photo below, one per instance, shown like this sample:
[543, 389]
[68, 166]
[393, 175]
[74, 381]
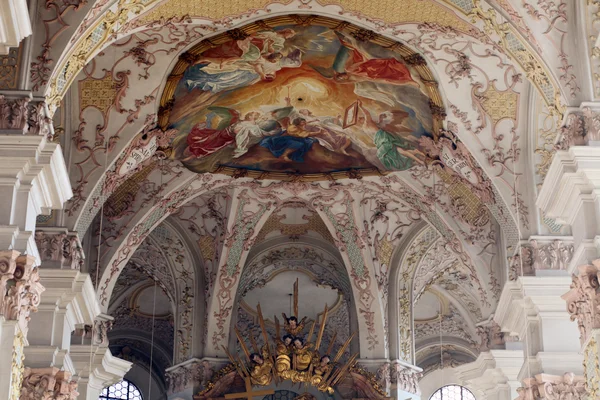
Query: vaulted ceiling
[435, 236]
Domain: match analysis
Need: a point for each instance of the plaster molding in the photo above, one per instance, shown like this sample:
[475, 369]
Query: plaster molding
[493, 374]
[34, 180]
[572, 181]
[72, 290]
[14, 24]
[529, 298]
[106, 369]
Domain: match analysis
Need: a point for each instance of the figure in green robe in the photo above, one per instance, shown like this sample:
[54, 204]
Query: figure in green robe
[396, 153]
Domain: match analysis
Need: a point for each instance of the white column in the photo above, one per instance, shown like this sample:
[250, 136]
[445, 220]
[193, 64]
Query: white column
[69, 301]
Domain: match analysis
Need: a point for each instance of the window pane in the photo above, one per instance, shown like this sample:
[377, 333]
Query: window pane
[453, 392]
[123, 390]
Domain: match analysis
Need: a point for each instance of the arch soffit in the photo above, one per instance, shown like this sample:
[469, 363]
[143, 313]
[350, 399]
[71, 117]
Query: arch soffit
[196, 186]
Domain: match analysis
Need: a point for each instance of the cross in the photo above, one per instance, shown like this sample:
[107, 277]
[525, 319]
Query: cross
[249, 394]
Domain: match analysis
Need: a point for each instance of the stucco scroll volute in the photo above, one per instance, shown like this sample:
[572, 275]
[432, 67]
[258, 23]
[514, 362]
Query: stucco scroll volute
[583, 300]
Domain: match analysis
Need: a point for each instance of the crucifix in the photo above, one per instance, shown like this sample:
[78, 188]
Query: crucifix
[249, 394]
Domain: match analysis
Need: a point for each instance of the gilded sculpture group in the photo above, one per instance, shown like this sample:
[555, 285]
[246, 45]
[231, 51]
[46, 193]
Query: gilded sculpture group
[292, 357]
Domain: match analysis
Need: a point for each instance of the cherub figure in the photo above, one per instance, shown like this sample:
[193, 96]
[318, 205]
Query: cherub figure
[302, 353]
[292, 326]
[260, 372]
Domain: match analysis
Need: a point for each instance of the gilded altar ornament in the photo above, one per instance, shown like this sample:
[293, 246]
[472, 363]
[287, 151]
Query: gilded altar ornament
[293, 357]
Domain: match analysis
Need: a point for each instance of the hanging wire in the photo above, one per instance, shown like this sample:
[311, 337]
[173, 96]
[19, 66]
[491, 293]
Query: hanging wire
[152, 341]
[441, 349]
[520, 236]
[100, 228]
[441, 316]
[160, 169]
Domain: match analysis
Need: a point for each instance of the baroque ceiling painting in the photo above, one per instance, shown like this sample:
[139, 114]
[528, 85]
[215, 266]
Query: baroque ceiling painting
[308, 99]
[306, 199]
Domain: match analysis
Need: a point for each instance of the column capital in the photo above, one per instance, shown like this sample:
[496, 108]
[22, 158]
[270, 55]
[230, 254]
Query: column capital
[541, 253]
[59, 248]
[583, 300]
[24, 115]
[406, 377]
[553, 387]
[581, 128]
[20, 287]
[48, 384]
[96, 334]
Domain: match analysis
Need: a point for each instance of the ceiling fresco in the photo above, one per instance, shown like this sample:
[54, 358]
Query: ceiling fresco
[304, 99]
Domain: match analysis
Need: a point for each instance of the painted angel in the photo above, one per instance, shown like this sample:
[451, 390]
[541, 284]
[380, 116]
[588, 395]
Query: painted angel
[224, 127]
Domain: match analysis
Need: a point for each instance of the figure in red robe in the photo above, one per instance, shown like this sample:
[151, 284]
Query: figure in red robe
[351, 64]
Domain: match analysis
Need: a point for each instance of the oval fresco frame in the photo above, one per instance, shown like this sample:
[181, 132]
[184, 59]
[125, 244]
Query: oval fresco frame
[409, 56]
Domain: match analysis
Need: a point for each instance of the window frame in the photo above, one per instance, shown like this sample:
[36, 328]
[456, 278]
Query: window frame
[131, 388]
[464, 393]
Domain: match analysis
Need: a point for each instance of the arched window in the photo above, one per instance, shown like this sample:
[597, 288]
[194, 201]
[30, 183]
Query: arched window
[123, 390]
[452, 392]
